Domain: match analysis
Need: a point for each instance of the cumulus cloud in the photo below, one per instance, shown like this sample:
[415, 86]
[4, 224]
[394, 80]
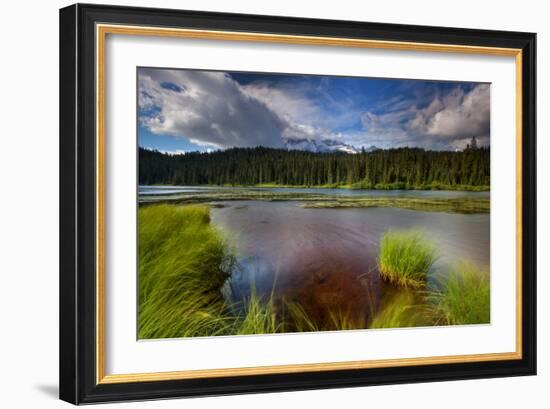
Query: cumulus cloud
[208, 108]
[214, 110]
[447, 121]
[302, 118]
[458, 115]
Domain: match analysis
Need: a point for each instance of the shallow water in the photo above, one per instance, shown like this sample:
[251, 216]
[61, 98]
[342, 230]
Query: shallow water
[173, 190]
[325, 259]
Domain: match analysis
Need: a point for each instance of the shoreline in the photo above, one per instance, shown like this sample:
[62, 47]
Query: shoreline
[395, 186]
[464, 205]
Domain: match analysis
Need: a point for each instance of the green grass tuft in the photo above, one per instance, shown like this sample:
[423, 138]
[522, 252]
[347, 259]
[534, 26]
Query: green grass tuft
[465, 296]
[406, 257]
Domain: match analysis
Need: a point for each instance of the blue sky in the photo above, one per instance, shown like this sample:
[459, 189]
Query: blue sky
[186, 110]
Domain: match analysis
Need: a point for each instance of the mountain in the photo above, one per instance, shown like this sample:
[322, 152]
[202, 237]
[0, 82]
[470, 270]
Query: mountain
[371, 148]
[324, 145]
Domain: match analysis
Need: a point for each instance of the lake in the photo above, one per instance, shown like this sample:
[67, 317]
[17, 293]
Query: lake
[326, 259]
[175, 190]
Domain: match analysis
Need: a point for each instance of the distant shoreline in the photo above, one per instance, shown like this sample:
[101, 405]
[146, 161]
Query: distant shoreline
[402, 168]
[393, 186]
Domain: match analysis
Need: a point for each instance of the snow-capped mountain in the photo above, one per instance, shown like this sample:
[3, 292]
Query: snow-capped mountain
[324, 145]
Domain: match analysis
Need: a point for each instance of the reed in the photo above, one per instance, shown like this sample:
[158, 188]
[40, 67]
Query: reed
[260, 317]
[400, 311]
[464, 297]
[183, 264]
[406, 257]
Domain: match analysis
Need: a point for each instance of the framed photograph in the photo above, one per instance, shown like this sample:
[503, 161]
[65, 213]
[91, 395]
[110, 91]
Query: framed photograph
[257, 203]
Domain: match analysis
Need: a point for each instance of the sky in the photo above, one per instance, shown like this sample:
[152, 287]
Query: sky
[182, 110]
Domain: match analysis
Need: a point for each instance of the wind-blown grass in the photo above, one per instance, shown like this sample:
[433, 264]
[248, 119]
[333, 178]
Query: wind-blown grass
[299, 319]
[344, 320]
[464, 297]
[401, 311]
[406, 257]
[183, 264]
[260, 317]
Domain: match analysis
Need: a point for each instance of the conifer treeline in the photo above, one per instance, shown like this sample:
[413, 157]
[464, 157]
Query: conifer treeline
[392, 168]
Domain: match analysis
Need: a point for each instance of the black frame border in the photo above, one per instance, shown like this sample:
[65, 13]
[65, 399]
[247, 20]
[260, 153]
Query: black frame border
[78, 204]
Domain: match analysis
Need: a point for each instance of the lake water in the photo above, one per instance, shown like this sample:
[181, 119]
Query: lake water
[176, 190]
[326, 258]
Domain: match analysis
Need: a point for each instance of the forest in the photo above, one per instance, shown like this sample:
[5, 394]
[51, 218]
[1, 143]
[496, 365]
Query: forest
[400, 168]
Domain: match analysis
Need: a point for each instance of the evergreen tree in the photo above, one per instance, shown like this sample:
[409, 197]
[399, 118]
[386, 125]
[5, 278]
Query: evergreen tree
[392, 168]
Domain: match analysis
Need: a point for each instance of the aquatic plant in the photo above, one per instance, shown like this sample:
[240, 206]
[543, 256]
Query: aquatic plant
[452, 205]
[464, 297]
[297, 319]
[260, 317]
[406, 257]
[340, 320]
[463, 205]
[400, 311]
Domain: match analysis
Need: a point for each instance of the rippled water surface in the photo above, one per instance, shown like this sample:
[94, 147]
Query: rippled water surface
[326, 258]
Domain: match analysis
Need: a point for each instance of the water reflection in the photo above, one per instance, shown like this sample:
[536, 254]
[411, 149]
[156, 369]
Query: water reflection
[325, 259]
[174, 190]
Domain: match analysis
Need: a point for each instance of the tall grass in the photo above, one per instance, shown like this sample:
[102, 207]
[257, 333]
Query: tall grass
[400, 311]
[345, 319]
[260, 317]
[464, 297]
[297, 319]
[406, 257]
[183, 264]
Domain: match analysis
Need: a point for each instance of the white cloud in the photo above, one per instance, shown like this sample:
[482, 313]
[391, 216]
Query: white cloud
[303, 118]
[211, 109]
[448, 121]
[458, 115]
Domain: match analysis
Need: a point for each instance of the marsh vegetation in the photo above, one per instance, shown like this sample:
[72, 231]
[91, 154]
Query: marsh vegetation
[406, 258]
[205, 266]
[328, 199]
